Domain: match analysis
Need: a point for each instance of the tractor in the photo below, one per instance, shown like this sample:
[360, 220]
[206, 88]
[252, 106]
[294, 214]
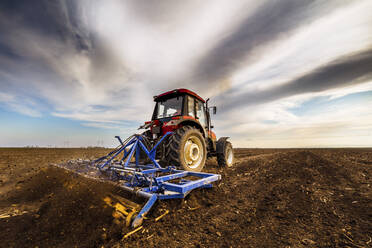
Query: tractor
[188, 116]
[166, 160]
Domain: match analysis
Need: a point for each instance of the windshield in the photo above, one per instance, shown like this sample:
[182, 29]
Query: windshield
[170, 107]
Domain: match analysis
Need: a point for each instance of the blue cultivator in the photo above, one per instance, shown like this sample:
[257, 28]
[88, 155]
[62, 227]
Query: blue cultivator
[150, 181]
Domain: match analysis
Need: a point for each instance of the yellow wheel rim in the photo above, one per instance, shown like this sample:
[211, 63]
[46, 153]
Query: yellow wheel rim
[193, 152]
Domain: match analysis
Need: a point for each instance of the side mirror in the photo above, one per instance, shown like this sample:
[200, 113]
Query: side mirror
[214, 110]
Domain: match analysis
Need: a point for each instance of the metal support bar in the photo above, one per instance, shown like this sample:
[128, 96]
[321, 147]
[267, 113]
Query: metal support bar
[121, 142]
[131, 153]
[191, 185]
[108, 161]
[153, 150]
[171, 176]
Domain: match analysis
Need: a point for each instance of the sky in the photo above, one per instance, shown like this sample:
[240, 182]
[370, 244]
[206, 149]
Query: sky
[288, 73]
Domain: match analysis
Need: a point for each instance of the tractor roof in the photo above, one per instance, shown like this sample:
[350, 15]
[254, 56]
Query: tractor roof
[177, 92]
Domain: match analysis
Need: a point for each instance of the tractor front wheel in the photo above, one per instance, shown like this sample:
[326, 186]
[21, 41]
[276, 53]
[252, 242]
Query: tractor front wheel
[187, 149]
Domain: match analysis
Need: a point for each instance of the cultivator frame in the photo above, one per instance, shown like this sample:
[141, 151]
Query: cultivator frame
[150, 181]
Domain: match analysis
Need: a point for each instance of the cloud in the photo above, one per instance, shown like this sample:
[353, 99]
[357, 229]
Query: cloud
[294, 109]
[272, 21]
[62, 62]
[336, 122]
[22, 106]
[342, 72]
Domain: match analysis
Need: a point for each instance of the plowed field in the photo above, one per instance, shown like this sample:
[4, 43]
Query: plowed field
[270, 198]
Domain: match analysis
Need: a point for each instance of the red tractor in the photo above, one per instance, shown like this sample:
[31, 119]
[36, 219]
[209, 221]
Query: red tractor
[187, 115]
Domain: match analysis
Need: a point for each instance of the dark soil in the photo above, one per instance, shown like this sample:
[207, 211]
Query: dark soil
[270, 198]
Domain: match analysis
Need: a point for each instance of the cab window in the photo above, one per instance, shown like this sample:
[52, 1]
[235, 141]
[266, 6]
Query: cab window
[190, 106]
[169, 107]
[200, 113]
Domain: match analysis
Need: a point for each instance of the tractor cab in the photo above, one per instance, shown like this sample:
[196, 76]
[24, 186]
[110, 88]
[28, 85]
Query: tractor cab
[177, 106]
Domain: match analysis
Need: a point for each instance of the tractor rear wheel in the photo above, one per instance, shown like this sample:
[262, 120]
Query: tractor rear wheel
[187, 149]
[225, 153]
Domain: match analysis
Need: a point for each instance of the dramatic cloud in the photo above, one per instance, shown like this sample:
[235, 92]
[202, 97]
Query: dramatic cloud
[353, 69]
[99, 63]
[271, 21]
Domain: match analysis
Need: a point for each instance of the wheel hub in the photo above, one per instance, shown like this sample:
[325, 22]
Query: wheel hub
[193, 152]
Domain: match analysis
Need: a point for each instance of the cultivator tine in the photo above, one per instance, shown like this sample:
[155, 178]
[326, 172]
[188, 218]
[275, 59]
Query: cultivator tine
[151, 199]
[124, 208]
[137, 221]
